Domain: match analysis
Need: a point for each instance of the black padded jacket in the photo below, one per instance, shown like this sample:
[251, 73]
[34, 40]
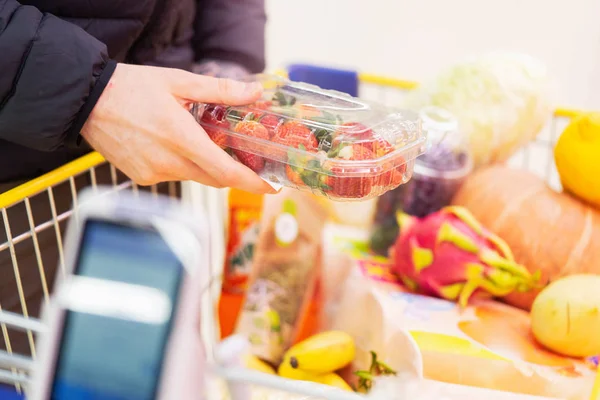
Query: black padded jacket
[56, 57]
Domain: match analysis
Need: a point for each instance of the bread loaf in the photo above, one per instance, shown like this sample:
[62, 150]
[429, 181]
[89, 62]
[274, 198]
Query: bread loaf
[548, 231]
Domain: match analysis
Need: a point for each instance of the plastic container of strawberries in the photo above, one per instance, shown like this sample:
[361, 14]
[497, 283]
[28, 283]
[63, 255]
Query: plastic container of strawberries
[330, 143]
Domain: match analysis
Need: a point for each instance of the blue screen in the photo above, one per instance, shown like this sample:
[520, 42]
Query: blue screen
[103, 358]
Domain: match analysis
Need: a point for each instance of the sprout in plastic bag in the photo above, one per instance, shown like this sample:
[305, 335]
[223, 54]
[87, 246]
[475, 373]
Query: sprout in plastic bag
[501, 100]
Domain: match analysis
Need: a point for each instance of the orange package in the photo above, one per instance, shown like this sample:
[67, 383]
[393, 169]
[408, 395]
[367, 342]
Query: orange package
[245, 210]
[488, 344]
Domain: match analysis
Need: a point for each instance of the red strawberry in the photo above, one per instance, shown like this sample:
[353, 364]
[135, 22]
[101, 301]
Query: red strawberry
[253, 111]
[380, 146]
[307, 111]
[246, 151]
[355, 132]
[294, 134]
[215, 124]
[293, 175]
[350, 186]
[262, 105]
[271, 122]
[395, 176]
[257, 109]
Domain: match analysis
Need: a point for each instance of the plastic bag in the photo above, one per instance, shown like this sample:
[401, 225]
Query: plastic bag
[284, 275]
[487, 345]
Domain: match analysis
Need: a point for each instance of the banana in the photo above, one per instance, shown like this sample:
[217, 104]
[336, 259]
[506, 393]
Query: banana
[322, 353]
[285, 370]
[329, 379]
[333, 379]
[255, 363]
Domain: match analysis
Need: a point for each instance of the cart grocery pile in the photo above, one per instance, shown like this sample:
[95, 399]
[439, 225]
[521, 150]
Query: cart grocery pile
[404, 258]
[471, 273]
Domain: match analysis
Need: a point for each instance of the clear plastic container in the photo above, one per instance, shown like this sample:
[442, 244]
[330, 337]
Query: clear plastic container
[323, 141]
[437, 176]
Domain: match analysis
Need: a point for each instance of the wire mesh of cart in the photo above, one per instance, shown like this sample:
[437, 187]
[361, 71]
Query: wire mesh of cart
[34, 215]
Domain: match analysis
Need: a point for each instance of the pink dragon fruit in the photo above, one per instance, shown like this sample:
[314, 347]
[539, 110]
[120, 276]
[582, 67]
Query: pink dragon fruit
[449, 254]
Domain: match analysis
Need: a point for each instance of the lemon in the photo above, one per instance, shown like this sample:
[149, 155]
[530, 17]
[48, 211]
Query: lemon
[577, 157]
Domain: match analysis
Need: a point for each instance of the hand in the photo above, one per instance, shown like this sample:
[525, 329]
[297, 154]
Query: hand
[221, 69]
[141, 124]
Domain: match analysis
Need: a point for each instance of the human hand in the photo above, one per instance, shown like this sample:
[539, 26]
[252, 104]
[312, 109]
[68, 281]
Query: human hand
[142, 125]
[221, 69]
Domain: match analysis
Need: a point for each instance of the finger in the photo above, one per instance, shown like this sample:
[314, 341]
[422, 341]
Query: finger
[206, 89]
[196, 174]
[172, 167]
[201, 178]
[195, 145]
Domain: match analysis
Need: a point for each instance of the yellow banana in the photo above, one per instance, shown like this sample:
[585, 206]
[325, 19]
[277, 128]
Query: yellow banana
[333, 379]
[322, 353]
[329, 379]
[255, 363]
[285, 370]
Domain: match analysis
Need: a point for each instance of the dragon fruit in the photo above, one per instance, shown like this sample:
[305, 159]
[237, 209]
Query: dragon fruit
[449, 254]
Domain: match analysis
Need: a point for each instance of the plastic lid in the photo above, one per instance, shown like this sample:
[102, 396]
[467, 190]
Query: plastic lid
[447, 153]
[438, 119]
[305, 117]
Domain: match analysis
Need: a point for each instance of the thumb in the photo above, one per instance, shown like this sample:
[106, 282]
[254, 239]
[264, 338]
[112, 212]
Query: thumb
[206, 89]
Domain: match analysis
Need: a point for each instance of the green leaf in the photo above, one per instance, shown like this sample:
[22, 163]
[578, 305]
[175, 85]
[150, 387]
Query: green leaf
[322, 133]
[281, 99]
[325, 140]
[334, 151]
[310, 179]
[314, 165]
[364, 375]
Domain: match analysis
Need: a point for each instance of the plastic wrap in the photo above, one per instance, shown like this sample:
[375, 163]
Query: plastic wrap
[487, 345]
[285, 272]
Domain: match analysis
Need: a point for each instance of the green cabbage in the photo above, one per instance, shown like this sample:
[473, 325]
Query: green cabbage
[501, 100]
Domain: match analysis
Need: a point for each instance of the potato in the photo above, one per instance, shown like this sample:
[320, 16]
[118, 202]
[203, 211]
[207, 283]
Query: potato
[565, 317]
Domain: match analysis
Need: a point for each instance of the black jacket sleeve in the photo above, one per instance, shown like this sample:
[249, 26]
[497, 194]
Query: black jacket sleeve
[51, 75]
[231, 30]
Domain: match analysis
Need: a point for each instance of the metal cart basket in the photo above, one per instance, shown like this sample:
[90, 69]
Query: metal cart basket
[33, 217]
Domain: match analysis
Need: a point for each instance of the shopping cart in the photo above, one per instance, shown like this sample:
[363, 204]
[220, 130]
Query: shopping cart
[34, 214]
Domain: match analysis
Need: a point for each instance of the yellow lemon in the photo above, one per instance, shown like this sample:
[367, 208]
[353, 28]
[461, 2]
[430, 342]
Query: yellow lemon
[577, 157]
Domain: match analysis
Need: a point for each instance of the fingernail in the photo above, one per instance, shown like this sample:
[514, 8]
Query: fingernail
[275, 187]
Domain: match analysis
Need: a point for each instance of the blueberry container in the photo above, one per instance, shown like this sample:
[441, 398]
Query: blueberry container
[438, 174]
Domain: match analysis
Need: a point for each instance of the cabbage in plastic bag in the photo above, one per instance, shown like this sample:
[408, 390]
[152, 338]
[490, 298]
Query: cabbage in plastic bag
[501, 100]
